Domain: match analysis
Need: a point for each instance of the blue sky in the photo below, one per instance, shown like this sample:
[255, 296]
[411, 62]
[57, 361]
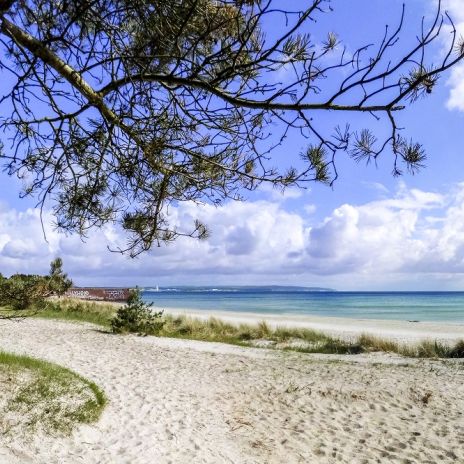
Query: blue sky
[369, 232]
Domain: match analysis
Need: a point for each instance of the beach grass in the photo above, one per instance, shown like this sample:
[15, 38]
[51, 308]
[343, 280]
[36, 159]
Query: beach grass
[422, 349]
[38, 395]
[256, 335]
[68, 309]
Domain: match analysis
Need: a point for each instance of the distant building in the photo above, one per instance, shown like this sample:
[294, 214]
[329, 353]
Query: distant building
[96, 293]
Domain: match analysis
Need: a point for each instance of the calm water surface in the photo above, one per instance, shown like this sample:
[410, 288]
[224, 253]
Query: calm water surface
[407, 306]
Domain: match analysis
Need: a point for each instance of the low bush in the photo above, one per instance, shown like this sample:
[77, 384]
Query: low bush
[23, 294]
[137, 316]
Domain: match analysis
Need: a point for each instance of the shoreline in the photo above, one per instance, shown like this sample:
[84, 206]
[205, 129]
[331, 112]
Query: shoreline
[346, 328]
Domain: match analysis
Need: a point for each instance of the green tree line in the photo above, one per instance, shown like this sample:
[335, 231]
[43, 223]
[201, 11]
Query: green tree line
[29, 291]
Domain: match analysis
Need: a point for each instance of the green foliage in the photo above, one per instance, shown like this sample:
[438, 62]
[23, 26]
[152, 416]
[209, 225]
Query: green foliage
[58, 281]
[155, 103]
[137, 316]
[21, 291]
[45, 396]
[24, 291]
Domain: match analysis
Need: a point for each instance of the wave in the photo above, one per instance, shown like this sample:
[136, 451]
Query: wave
[244, 289]
[159, 290]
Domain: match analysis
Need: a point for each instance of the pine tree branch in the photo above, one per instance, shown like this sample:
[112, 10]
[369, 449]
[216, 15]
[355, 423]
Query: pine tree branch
[238, 101]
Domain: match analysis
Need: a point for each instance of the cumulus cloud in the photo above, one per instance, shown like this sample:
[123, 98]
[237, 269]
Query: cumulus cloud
[398, 238]
[456, 80]
[379, 236]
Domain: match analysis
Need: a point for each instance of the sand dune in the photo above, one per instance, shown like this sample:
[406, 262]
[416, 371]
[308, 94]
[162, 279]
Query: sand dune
[173, 401]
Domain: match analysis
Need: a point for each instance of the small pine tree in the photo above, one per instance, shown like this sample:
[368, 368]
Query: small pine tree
[137, 316]
[58, 281]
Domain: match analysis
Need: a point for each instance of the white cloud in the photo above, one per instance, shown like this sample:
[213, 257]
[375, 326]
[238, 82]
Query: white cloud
[379, 236]
[456, 82]
[373, 245]
[455, 8]
[376, 186]
[277, 194]
[310, 209]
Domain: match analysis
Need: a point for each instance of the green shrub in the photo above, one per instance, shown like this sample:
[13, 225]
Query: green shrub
[28, 292]
[58, 281]
[137, 316]
[21, 292]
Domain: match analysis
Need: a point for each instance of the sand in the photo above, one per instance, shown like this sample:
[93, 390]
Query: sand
[348, 328]
[175, 401]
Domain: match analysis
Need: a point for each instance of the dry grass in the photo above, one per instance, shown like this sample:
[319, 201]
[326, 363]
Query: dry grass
[217, 330]
[38, 395]
[423, 349]
[260, 335]
[77, 310]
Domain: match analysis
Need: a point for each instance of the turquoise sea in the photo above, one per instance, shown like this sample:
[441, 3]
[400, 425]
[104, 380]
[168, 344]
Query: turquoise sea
[406, 306]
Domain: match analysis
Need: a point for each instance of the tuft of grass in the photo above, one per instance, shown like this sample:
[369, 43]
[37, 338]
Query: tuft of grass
[435, 349]
[216, 330]
[457, 351]
[257, 335]
[371, 343]
[79, 311]
[38, 395]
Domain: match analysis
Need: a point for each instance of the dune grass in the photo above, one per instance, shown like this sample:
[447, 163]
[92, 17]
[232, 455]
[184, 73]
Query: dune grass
[79, 311]
[423, 349]
[258, 335]
[38, 395]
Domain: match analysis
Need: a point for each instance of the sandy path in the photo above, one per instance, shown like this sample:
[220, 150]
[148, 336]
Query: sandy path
[173, 401]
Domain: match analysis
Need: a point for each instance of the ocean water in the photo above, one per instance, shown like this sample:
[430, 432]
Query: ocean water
[405, 306]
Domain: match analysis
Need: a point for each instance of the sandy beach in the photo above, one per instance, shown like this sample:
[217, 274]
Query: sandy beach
[348, 328]
[177, 401]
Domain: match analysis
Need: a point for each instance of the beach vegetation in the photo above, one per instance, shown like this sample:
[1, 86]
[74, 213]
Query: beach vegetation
[41, 396]
[373, 343]
[69, 309]
[58, 281]
[24, 294]
[137, 316]
[260, 335]
[437, 349]
[421, 349]
[457, 351]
